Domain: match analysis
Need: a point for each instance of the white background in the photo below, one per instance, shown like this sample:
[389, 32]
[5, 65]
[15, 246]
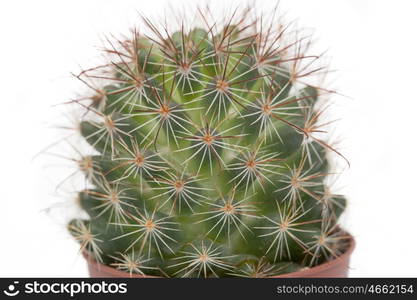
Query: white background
[374, 49]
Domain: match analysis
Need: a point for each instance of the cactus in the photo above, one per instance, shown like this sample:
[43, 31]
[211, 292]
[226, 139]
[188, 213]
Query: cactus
[211, 153]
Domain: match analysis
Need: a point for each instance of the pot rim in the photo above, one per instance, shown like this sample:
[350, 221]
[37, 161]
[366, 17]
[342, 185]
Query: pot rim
[298, 274]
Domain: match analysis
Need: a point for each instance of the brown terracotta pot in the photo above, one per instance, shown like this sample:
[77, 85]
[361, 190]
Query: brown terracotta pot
[338, 267]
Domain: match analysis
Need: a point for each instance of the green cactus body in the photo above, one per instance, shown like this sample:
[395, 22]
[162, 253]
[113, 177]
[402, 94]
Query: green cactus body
[207, 164]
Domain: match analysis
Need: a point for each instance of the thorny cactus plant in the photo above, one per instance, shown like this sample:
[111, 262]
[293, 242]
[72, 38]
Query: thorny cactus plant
[210, 152]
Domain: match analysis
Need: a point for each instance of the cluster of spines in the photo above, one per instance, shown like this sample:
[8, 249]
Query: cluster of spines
[209, 161]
